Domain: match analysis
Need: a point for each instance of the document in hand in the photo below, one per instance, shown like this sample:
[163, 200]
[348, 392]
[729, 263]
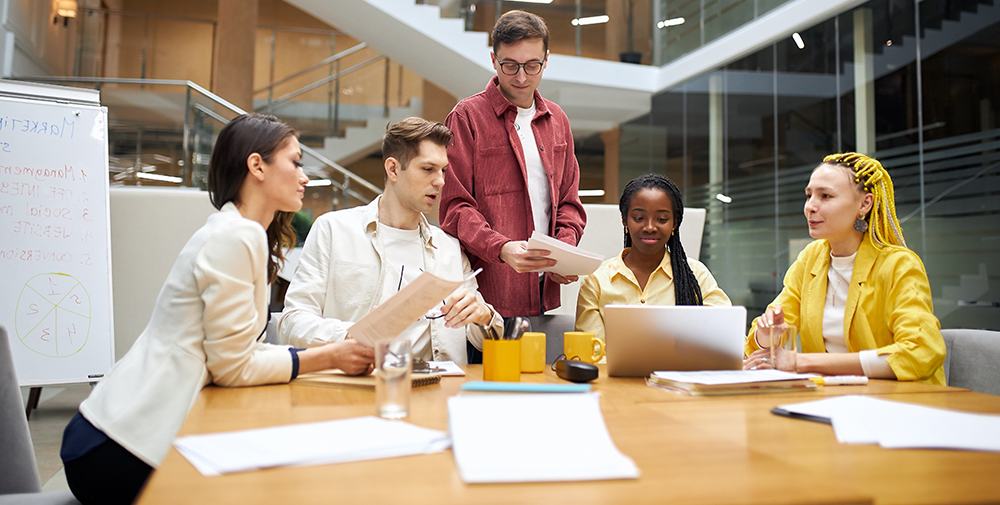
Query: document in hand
[571, 260]
[896, 425]
[388, 320]
[728, 382]
[534, 438]
[342, 441]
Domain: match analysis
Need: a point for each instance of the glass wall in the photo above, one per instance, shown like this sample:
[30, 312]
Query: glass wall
[918, 90]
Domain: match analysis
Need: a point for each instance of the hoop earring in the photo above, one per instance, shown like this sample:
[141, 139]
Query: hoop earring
[860, 225]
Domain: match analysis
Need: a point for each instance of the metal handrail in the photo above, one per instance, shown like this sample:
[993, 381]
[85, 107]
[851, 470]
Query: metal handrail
[336, 76]
[314, 66]
[348, 175]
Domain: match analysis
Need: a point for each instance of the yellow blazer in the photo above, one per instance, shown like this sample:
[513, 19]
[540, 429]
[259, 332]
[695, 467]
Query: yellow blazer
[889, 308]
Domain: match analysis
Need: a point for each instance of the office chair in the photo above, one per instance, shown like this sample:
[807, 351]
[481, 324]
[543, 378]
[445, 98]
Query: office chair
[973, 360]
[19, 482]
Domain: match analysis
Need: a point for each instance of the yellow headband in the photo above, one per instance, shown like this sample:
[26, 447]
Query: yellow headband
[883, 225]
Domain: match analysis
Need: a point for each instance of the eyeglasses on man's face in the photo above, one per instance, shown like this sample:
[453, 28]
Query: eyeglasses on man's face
[530, 68]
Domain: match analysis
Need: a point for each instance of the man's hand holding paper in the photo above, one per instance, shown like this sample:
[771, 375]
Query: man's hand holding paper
[570, 261]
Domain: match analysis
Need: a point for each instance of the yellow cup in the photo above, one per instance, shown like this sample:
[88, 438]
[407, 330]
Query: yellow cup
[580, 344]
[502, 360]
[532, 352]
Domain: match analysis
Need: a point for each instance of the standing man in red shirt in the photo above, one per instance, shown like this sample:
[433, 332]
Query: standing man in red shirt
[513, 170]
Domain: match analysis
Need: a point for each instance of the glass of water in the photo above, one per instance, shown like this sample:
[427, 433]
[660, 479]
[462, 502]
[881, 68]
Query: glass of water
[393, 363]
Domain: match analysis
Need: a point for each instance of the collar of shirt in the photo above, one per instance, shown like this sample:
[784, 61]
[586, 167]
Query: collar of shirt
[622, 269]
[501, 104]
[371, 223]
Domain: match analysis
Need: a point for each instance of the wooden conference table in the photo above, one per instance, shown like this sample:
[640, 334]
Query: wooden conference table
[727, 449]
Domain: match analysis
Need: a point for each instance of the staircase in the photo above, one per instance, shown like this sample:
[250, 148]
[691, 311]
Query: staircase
[597, 95]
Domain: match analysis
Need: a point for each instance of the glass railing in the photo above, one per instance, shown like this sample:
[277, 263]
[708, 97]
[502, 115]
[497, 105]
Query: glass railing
[161, 133]
[343, 90]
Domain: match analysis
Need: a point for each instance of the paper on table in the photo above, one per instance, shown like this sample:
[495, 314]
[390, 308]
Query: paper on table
[896, 425]
[570, 260]
[449, 367]
[408, 305]
[516, 438]
[722, 377]
[341, 441]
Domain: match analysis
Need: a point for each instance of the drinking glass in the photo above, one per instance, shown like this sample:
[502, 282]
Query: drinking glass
[393, 365]
[785, 336]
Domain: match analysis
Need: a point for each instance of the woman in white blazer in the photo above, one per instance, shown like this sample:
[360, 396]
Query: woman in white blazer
[209, 320]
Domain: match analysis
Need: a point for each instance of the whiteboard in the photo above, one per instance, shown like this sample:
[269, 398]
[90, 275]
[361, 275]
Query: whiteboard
[55, 266]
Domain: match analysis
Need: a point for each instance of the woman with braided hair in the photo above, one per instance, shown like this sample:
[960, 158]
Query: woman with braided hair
[860, 298]
[652, 269]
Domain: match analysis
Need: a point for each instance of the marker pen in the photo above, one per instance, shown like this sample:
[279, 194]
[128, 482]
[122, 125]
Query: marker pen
[841, 380]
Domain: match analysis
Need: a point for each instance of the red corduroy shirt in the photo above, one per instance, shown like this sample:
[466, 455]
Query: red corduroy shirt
[485, 202]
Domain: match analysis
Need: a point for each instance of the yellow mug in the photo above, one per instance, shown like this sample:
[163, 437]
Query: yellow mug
[580, 344]
[532, 352]
[502, 360]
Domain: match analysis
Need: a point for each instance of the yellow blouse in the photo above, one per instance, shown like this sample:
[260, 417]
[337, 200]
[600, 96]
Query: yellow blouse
[614, 283]
[889, 308]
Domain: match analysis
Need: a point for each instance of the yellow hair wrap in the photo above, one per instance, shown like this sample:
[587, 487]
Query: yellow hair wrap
[883, 226]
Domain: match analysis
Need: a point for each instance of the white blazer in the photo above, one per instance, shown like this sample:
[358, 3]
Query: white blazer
[204, 329]
[341, 273]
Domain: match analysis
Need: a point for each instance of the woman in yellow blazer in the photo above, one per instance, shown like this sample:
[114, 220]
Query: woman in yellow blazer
[860, 298]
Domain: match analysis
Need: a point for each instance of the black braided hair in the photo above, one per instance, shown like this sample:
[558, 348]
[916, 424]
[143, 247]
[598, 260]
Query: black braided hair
[686, 288]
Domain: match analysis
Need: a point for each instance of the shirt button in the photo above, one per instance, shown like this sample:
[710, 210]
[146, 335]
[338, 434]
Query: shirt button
[642, 301]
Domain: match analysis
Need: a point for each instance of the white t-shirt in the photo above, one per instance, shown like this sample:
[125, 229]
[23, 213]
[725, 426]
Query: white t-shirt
[838, 283]
[538, 180]
[405, 258]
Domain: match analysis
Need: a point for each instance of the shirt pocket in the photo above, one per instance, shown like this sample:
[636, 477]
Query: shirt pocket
[498, 171]
[557, 164]
[351, 286]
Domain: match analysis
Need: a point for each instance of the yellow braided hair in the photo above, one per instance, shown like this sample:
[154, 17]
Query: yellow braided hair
[883, 226]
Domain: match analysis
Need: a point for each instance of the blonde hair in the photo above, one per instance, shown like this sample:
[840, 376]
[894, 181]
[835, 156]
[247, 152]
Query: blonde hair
[871, 177]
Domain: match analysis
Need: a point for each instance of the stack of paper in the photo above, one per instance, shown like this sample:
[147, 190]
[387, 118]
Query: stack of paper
[534, 438]
[728, 382]
[342, 441]
[570, 260]
[895, 425]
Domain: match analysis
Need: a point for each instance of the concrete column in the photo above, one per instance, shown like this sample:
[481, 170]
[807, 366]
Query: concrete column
[235, 39]
[864, 82]
[611, 189]
[716, 130]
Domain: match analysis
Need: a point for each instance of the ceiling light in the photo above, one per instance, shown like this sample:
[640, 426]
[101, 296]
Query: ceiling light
[798, 40]
[158, 177]
[591, 192]
[532, 1]
[592, 20]
[319, 182]
[723, 198]
[670, 22]
[66, 8]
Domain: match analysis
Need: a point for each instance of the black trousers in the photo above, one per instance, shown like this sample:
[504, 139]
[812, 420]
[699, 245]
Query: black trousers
[109, 474]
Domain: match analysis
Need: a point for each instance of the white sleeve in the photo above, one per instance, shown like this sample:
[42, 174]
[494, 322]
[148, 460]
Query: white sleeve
[473, 332]
[302, 323]
[875, 366]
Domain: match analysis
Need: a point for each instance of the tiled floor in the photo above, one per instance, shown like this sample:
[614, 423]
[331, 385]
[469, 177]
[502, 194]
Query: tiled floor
[58, 404]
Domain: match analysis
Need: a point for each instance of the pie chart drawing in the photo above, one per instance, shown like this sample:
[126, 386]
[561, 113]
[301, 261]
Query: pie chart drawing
[52, 317]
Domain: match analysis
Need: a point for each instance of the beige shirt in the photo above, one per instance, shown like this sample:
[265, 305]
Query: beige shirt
[614, 283]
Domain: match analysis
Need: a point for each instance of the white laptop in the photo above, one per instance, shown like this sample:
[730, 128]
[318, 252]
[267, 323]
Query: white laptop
[640, 339]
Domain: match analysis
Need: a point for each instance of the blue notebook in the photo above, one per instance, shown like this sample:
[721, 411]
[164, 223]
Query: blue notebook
[524, 387]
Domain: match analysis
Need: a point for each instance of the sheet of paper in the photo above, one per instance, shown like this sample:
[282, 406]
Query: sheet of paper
[722, 377]
[340, 441]
[450, 368]
[534, 438]
[408, 305]
[897, 425]
[571, 260]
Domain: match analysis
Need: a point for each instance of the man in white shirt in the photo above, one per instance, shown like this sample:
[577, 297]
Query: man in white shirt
[356, 259]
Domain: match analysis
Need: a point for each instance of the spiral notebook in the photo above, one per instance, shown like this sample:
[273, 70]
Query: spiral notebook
[338, 379]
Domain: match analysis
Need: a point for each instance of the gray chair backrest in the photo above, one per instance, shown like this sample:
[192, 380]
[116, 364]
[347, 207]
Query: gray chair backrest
[271, 334]
[18, 470]
[553, 327]
[973, 360]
